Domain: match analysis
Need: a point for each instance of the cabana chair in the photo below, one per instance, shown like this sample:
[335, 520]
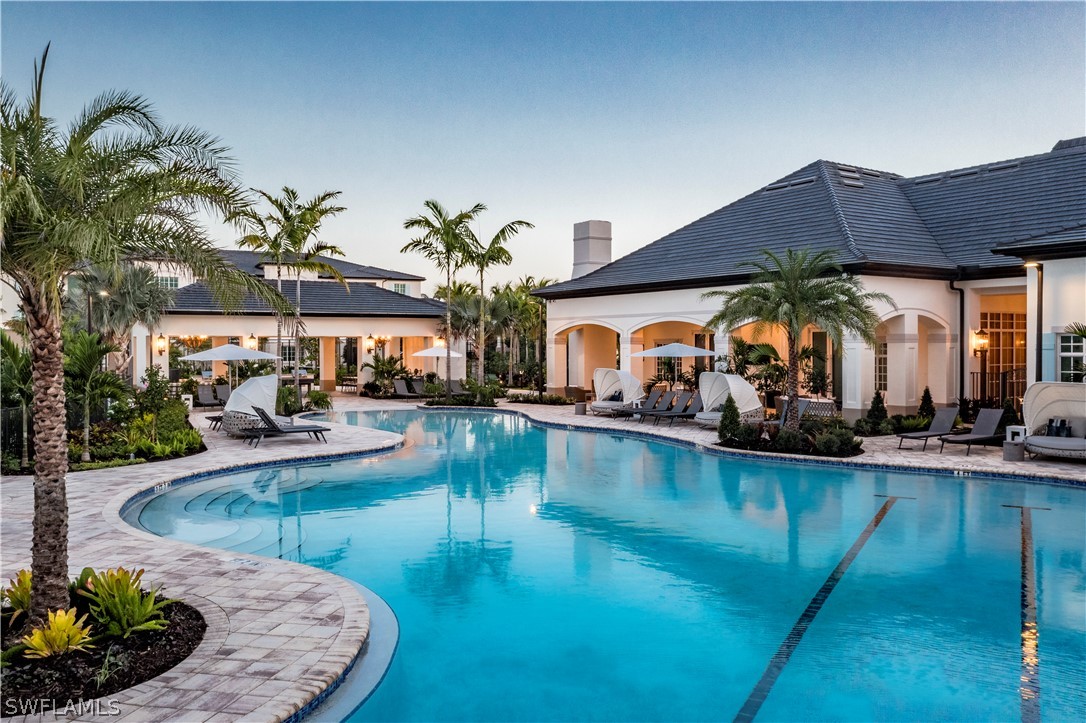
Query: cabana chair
[205, 396]
[617, 390]
[984, 431]
[940, 425]
[679, 405]
[272, 428]
[402, 392]
[676, 413]
[1046, 401]
[222, 391]
[649, 403]
[716, 387]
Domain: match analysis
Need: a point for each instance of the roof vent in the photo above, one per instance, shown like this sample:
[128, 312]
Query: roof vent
[873, 174]
[929, 179]
[965, 172]
[775, 186]
[853, 184]
[802, 181]
[1003, 166]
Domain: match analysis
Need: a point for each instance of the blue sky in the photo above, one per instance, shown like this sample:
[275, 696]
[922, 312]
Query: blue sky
[649, 115]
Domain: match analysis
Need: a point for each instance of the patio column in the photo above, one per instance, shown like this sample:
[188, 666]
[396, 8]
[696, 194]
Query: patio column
[364, 355]
[940, 358]
[901, 363]
[556, 365]
[219, 368]
[328, 363]
[857, 377]
[722, 343]
[141, 353]
[630, 344]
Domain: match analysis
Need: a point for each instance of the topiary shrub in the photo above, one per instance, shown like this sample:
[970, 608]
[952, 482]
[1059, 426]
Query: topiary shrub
[927, 406]
[729, 424]
[1010, 415]
[877, 412]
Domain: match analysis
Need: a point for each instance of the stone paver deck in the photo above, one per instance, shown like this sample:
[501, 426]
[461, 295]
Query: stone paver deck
[279, 633]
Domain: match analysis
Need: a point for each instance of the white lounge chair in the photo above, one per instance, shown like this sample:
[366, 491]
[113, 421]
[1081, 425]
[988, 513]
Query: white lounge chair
[615, 390]
[1055, 400]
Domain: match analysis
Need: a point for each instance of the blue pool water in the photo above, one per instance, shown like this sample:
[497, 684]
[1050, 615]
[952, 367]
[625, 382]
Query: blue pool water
[552, 575]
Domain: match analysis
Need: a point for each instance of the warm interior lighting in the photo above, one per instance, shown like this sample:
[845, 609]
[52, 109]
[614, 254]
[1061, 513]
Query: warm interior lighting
[251, 342]
[980, 342]
[160, 344]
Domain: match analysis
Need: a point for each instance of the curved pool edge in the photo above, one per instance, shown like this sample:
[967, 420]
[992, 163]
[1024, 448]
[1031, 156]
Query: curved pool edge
[317, 621]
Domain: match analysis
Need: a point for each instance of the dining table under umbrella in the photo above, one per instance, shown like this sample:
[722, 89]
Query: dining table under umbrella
[228, 353]
[675, 350]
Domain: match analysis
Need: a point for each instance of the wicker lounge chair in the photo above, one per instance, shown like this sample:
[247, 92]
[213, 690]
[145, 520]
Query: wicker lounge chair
[272, 428]
[617, 390]
[983, 432]
[940, 425]
[1055, 400]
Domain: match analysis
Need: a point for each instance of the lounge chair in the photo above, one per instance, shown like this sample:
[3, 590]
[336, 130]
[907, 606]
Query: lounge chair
[679, 405]
[679, 413]
[649, 403]
[402, 392]
[662, 405]
[940, 425]
[618, 390]
[222, 391]
[456, 388]
[983, 432]
[716, 388]
[205, 397]
[272, 428]
[418, 386]
[784, 411]
[1046, 401]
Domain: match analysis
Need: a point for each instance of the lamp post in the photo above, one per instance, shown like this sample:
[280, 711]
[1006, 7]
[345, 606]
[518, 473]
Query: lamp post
[980, 348]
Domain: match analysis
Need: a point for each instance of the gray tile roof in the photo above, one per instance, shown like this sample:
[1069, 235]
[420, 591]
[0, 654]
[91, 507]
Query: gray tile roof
[251, 262]
[934, 225]
[1064, 243]
[319, 298]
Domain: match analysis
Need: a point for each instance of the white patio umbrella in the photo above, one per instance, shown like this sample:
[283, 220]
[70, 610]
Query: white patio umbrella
[254, 392]
[228, 353]
[675, 350]
[437, 351]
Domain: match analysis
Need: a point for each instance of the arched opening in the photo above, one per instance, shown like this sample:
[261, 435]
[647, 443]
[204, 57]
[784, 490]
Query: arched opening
[575, 352]
[665, 369]
[912, 351]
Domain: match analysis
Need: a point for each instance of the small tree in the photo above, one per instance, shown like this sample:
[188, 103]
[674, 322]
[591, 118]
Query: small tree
[927, 406]
[86, 382]
[1010, 414]
[877, 412]
[729, 420]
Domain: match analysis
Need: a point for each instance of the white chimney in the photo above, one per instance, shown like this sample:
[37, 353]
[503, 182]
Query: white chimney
[591, 246]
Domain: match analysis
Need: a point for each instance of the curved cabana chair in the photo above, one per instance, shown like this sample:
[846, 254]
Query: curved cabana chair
[1055, 400]
[715, 388]
[615, 390]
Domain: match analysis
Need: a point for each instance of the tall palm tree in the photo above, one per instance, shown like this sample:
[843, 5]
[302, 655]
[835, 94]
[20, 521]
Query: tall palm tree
[87, 384]
[483, 257]
[132, 295]
[16, 386]
[115, 184]
[446, 241]
[795, 291]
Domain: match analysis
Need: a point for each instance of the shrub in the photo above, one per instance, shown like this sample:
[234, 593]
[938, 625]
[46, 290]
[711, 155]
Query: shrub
[913, 424]
[1010, 415]
[837, 443]
[789, 441]
[484, 394]
[748, 436]
[190, 386]
[317, 399]
[118, 603]
[964, 405]
[372, 389]
[877, 412]
[104, 464]
[286, 402]
[927, 406]
[538, 399]
[729, 424]
[62, 634]
[17, 594]
[173, 417]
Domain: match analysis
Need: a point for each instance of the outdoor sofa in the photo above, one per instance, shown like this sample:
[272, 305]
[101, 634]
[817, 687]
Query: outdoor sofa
[1055, 400]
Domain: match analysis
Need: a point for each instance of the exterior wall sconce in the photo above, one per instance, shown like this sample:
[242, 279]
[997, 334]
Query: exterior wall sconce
[370, 342]
[251, 342]
[160, 344]
[439, 341]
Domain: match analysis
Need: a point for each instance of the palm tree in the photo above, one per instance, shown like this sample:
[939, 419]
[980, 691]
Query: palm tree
[446, 241]
[793, 292]
[16, 385]
[125, 295]
[285, 237]
[483, 257]
[115, 184]
[87, 384]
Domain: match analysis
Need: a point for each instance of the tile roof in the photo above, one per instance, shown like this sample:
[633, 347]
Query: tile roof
[319, 298]
[251, 262]
[934, 225]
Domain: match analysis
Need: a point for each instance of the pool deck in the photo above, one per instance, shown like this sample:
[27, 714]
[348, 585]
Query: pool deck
[280, 633]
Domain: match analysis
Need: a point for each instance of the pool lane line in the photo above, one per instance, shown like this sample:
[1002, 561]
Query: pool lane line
[784, 652]
[1029, 689]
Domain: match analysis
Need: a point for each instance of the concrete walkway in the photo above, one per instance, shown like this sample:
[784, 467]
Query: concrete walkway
[280, 633]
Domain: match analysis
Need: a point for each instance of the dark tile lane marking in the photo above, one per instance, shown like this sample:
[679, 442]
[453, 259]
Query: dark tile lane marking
[1029, 689]
[776, 664]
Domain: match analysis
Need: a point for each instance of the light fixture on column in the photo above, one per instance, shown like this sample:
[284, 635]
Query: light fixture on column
[160, 344]
[980, 342]
[370, 343]
[980, 348]
[251, 342]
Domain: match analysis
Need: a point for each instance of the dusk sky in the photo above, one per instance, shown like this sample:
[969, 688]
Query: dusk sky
[648, 115]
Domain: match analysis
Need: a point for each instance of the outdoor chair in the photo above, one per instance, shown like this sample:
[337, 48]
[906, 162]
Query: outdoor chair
[456, 388]
[676, 413]
[662, 404]
[402, 392]
[940, 425]
[222, 391]
[783, 407]
[983, 432]
[272, 428]
[205, 396]
[679, 405]
[419, 387]
[649, 403]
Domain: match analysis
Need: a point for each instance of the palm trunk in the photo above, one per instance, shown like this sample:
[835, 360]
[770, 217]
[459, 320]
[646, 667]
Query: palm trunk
[278, 328]
[298, 339]
[792, 422]
[24, 460]
[86, 456]
[480, 336]
[448, 332]
[49, 549]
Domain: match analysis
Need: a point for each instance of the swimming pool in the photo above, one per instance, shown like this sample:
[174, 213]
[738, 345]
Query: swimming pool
[544, 574]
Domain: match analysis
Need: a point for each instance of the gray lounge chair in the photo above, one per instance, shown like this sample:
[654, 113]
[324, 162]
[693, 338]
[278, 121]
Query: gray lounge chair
[784, 411]
[272, 428]
[648, 404]
[222, 391]
[402, 392]
[676, 413]
[679, 405]
[205, 396]
[983, 432]
[456, 388]
[662, 404]
[940, 425]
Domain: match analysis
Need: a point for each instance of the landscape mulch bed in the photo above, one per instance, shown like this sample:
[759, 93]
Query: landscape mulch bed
[73, 676]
